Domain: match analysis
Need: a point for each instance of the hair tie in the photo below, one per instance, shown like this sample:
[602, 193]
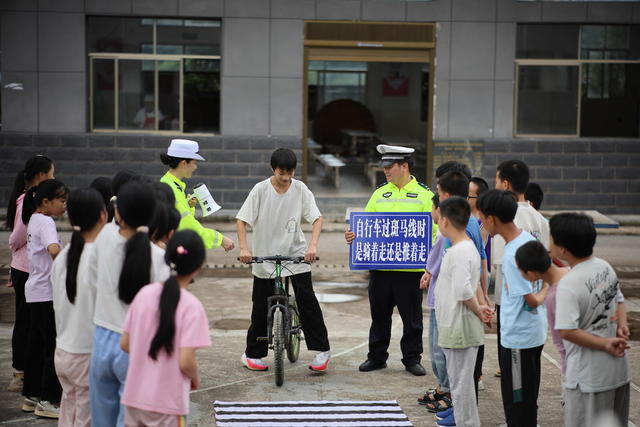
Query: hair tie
[113, 199]
[181, 250]
[142, 229]
[172, 266]
[76, 228]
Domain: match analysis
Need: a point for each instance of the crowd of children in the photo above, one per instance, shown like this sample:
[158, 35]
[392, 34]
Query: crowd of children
[106, 330]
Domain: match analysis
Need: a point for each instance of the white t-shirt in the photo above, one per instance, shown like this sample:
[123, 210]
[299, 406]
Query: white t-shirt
[587, 299]
[529, 220]
[458, 327]
[41, 233]
[74, 322]
[276, 222]
[106, 265]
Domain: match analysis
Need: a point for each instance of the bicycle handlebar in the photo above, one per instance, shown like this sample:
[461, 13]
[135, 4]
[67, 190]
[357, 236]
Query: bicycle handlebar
[278, 259]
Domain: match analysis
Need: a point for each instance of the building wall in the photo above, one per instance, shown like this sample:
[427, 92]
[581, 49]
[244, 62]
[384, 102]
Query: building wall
[43, 46]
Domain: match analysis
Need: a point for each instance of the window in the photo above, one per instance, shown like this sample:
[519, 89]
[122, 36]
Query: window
[154, 75]
[578, 80]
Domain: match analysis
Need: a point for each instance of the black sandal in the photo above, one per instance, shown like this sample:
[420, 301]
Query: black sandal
[441, 404]
[431, 395]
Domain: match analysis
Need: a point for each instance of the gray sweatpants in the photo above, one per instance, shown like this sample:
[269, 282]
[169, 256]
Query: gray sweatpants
[460, 365]
[583, 409]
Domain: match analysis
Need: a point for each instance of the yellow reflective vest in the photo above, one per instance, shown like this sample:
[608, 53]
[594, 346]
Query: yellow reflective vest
[188, 221]
[413, 197]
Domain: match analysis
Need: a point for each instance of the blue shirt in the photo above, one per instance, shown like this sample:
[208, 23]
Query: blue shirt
[520, 326]
[473, 231]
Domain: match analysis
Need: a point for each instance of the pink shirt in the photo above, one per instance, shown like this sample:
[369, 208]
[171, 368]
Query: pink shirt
[159, 385]
[18, 240]
[41, 232]
[550, 303]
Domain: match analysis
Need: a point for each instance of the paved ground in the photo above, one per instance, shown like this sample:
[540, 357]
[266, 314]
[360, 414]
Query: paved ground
[226, 295]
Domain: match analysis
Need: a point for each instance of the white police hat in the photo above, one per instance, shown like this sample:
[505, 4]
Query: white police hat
[394, 154]
[184, 149]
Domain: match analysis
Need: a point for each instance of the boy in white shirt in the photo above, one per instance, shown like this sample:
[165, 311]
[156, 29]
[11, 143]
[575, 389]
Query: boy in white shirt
[459, 315]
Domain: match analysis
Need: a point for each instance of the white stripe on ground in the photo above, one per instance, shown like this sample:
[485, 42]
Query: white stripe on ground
[222, 403]
[310, 417]
[319, 424]
[258, 377]
[18, 420]
[346, 408]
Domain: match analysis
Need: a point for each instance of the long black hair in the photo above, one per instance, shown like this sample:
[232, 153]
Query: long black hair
[84, 208]
[185, 254]
[136, 204]
[104, 187]
[34, 166]
[48, 189]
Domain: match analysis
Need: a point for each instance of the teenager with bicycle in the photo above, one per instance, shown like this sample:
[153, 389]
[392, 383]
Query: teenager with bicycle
[274, 209]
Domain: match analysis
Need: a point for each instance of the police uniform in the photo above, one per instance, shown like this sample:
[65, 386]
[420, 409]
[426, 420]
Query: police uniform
[185, 149]
[401, 288]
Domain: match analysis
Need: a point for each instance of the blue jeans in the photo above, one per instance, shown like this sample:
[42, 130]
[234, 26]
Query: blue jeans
[107, 374]
[438, 361]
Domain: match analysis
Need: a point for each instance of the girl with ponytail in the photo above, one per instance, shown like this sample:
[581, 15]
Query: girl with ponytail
[123, 261]
[164, 327]
[37, 169]
[41, 203]
[73, 304]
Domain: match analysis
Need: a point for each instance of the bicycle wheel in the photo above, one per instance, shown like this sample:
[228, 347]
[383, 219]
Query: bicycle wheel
[278, 346]
[293, 349]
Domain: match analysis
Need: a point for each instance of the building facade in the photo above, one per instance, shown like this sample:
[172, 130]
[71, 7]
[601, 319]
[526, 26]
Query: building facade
[554, 83]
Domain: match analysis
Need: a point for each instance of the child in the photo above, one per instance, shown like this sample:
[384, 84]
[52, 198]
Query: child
[164, 326]
[460, 316]
[535, 264]
[534, 195]
[41, 203]
[73, 305]
[523, 326]
[123, 261]
[274, 209]
[597, 377]
[429, 279]
[37, 169]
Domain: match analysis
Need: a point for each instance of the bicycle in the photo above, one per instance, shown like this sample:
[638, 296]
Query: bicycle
[283, 319]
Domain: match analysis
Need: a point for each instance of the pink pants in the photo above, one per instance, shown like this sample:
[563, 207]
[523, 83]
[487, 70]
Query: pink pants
[134, 417]
[73, 373]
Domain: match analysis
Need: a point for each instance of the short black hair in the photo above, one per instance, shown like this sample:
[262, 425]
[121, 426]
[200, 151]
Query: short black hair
[516, 172]
[284, 159]
[574, 232]
[453, 165]
[533, 256]
[435, 200]
[480, 183]
[534, 194]
[499, 203]
[455, 183]
[457, 211]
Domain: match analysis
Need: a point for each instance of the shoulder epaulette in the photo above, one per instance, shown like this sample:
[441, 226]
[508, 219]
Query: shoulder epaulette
[382, 185]
[425, 186]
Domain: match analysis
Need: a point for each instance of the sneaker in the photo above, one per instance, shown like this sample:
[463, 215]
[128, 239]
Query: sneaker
[498, 373]
[444, 414]
[450, 421]
[16, 381]
[47, 409]
[320, 362]
[29, 404]
[254, 364]
[481, 385]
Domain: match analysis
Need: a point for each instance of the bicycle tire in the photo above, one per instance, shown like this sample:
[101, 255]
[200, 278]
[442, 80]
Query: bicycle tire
[278, 346]
[293, 349]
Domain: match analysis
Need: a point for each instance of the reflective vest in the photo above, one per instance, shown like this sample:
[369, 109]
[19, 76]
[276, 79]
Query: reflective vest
[188, 221]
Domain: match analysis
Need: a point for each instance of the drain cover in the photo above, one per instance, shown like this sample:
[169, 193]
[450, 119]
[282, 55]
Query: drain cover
[337, 298]
[231, 324]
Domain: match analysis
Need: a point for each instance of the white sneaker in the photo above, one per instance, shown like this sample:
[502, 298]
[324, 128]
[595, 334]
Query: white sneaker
[254, 364]
[29, 404]
[481, 385]
[47, 409]
[320, 362]
[16, 382]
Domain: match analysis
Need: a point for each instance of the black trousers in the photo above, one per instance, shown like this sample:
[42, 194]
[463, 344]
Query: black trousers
[21, 326]
[525, 412]
[40, 379]
[313, 327]
[498, 332]
[389, 289]
[477, 370]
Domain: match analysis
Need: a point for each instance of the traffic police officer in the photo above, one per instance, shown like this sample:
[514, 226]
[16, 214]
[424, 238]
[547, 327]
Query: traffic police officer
[401, 288]
[182, 158]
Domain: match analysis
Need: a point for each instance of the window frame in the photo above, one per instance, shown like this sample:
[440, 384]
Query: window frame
[157, 58]
[579, 62]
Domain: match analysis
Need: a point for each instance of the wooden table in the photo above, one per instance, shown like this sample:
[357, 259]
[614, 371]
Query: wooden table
[360, 141]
